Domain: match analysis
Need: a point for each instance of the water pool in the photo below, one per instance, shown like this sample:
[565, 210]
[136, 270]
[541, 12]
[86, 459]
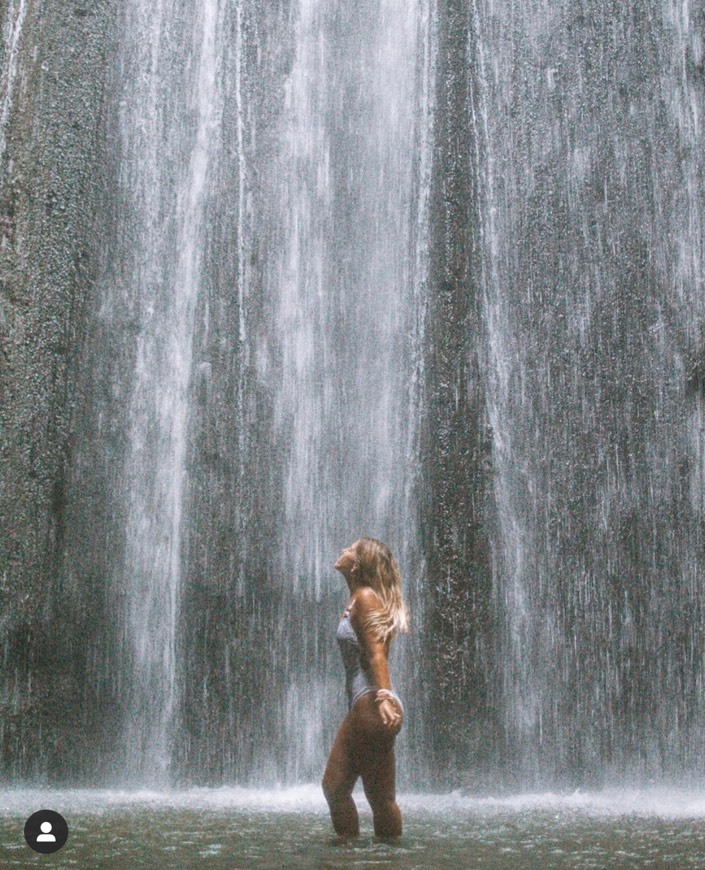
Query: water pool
[252, 828]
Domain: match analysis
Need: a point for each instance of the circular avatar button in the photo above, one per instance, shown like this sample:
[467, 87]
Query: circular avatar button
[46, 831]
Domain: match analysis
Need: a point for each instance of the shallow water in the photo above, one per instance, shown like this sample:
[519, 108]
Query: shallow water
[250, 828]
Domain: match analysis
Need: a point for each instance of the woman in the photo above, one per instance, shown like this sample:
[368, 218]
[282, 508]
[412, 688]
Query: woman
[364, 744]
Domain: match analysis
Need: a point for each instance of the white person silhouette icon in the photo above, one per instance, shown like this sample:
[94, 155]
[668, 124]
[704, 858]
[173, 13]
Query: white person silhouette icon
[46, 836]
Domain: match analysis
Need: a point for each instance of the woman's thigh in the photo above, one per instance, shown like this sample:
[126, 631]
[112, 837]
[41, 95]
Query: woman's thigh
[378, 772]
[373, 747]
[342, 769]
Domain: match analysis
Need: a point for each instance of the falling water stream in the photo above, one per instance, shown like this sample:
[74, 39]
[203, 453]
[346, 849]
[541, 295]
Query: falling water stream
[12, 32]
[345, 305]
[593, 299]
[167, 176]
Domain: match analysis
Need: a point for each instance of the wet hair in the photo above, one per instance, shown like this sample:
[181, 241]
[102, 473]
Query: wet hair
[379, 570]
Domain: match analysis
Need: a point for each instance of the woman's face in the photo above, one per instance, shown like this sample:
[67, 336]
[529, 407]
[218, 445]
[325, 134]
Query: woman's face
[347, 560]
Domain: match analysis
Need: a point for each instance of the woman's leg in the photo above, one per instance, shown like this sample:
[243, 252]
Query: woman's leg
[379, 781]
[339, 780]
[374, 745]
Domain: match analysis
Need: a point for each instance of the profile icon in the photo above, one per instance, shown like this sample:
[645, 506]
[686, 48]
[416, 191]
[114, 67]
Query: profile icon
[46, 836]
[46, 831]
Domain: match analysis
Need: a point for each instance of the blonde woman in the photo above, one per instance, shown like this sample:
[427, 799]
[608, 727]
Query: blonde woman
[364, 744]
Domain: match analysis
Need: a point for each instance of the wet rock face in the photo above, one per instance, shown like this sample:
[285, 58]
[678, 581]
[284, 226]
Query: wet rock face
[456, 449]
[55, 78]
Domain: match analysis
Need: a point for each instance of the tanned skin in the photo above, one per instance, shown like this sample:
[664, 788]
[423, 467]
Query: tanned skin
[364, 744]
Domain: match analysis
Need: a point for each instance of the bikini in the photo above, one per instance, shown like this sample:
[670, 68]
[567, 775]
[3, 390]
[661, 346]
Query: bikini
[358, 680]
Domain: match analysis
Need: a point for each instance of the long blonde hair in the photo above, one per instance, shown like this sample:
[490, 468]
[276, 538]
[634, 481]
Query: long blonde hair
[379, 570]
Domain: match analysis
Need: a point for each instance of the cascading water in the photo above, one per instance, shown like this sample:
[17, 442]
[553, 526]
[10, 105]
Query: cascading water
[167, 153]
[429, 271]
[344, 278]
[515, 535]
[12, 31]
[281, 397]
[594, 313]
[346, 308]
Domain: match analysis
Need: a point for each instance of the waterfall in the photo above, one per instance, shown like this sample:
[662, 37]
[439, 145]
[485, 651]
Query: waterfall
[346, 310]
[336, 363]
[343, 279]
[275, 275]
[515, 535]
[168, 151]
[594, 319]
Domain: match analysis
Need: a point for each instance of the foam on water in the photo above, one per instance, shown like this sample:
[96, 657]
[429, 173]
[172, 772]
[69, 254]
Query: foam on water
[659, 803]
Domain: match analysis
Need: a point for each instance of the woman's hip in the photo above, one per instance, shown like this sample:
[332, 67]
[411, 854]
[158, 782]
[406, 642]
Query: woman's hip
[366, 716]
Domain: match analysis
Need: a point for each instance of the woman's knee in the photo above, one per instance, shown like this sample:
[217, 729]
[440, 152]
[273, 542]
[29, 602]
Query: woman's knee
[387, 817]
[335, 790]
[328, 787]
[383, 805]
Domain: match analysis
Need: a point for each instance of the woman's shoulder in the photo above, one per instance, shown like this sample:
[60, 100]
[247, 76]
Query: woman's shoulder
[366, 605]
[366, 599]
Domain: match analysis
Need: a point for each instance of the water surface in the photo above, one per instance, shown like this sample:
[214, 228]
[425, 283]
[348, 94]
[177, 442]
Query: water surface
[253, 828]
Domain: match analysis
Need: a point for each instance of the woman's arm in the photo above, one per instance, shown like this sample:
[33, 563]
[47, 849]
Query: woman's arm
[373, 650]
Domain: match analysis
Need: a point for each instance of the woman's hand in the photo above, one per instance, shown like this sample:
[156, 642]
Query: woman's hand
[391, 717]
